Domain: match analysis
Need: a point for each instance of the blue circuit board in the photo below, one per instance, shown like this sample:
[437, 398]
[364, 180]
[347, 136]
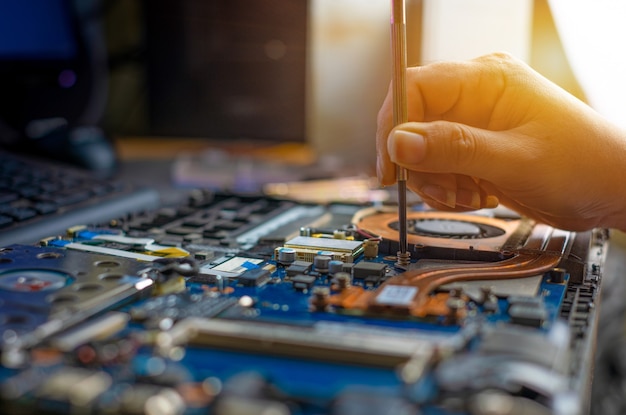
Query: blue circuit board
[248, 305]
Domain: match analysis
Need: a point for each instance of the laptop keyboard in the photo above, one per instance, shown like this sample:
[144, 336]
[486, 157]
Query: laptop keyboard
[38, 199]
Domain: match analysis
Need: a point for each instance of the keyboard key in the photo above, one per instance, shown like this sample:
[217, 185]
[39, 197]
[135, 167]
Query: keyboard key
[18, 213]
[45, 208]
[70, 198]
[27, 191]
[7, 197]
[5, 221]
[40, 199]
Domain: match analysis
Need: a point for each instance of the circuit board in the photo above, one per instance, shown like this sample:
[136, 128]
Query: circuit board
[239, 304]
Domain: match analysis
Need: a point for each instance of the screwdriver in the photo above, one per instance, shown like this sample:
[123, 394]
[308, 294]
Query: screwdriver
[400, 115]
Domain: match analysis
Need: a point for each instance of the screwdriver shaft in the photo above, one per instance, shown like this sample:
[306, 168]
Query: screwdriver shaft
[400, 112]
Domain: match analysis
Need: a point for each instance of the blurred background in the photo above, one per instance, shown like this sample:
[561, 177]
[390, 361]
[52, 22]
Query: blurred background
[192, 92]
[311, 71]
[307, 72]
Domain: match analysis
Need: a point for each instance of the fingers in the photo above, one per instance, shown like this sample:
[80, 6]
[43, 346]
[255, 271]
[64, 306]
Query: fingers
[442, 159]
[494, 92]
[445, 147]
[574, 223]
[492, 129]
[451, 192]
[468, 92]
[493, 202]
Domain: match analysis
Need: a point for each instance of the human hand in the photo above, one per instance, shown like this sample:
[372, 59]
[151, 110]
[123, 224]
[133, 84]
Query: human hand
[493, 130]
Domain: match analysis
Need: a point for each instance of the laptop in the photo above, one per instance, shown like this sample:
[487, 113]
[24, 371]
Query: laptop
[56, 164]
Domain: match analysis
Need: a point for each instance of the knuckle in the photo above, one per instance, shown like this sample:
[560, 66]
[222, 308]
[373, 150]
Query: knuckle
[498, 57]
[503, 56]
[497, 65]
[463, 146]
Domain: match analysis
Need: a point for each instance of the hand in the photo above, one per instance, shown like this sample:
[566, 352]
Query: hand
[492, 130]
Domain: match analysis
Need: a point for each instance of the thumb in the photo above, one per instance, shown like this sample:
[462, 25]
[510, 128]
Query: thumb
[448, 147]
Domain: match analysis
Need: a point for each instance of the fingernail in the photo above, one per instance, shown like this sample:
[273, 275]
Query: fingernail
[468, 198]
[406, 147]
[492, 202]
[441, 195]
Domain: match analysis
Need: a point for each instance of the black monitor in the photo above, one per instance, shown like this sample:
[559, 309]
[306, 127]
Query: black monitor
[227, 69]
[52, 81]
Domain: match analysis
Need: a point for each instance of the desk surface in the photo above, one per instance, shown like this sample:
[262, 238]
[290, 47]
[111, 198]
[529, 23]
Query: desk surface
[148, 161]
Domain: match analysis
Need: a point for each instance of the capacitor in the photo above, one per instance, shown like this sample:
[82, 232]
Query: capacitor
[219, 282]
[489, 301]
[320, 298]
[487, 293]
[370, 248]
[335, 266]
[321, 263]
[343, 280]
[286, 255]
[454, 304]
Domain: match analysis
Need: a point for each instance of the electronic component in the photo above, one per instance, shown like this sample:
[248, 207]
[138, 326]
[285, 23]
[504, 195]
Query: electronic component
[298, 267]
[335, 266]
[242, 320]
[365, 269]
[230, 266]
[367, 402]
[180, 306]
[249, 393]
[347, 267]
[74, 388]
[254, 277]
[527, 311]
[303, 282]
[286, 256]
[409, 292]
[433, 233]
[324, 341]
[46, 290]
[307, 247]
[370, 248]
[141, 398]
[98, 328]
[321, 263]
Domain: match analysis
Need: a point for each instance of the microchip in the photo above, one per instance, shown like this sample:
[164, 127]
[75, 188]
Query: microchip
[363, 269]
[254, 277]
[299, 267]
[303, 282]
[396, 295]
[307, 248]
